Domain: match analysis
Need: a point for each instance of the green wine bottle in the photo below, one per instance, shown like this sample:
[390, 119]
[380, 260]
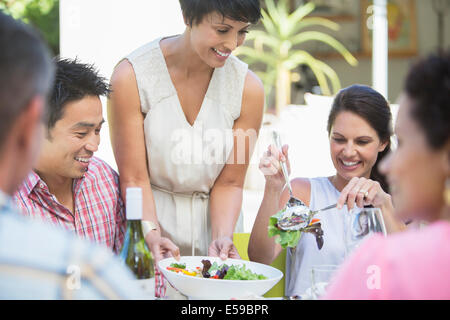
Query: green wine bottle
[135, 252]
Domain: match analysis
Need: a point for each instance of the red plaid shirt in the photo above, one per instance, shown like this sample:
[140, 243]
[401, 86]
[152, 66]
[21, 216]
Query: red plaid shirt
[99, 211]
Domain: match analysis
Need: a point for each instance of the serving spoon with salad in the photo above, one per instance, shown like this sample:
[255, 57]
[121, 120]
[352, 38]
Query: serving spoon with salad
[297, 215]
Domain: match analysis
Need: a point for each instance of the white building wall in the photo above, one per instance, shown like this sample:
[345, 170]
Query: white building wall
[103, 31]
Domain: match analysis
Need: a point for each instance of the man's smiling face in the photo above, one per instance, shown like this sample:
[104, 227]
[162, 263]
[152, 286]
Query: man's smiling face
[71, 143]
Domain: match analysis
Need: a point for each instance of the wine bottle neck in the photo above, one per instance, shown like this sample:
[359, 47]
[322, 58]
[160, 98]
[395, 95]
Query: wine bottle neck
[135, 229]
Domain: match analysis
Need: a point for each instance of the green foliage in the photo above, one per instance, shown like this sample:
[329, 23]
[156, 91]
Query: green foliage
[42, 14]
[236, 272]
[285, 238]
[278, 46]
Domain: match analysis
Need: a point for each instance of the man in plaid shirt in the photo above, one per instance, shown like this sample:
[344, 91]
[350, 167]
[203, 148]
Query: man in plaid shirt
[70, 187]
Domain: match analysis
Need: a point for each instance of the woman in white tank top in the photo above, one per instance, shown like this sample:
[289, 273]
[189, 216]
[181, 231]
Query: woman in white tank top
[177, 105]
[359, 127]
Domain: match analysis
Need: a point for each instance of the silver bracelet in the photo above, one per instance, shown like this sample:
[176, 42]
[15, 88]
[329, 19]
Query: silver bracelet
[148, 226]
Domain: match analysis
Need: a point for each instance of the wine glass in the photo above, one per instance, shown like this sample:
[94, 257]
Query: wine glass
[361, 224]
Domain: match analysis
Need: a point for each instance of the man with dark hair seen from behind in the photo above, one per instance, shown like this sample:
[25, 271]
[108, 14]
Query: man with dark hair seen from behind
[37, 261]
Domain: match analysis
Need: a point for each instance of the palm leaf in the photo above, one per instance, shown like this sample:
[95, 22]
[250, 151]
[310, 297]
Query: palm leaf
[268, 23]
[325, 38]
[302, 57]
[272, 11]
[259, 55]
[267, 39]
[316, 21]
[298, 15]
[285, 31]
[320, 76]
[331, 74]
[283, 13]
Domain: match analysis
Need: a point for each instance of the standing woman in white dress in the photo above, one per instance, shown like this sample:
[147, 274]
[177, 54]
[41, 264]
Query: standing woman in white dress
[359, 127]
[184, 115]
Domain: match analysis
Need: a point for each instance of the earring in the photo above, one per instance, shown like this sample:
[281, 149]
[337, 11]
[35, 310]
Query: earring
[447, 192]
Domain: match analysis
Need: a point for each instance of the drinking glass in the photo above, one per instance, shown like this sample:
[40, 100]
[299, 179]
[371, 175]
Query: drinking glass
[320, 278]
[361, 224]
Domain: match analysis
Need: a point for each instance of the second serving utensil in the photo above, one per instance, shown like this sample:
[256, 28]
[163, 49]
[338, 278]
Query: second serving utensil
[299, 219]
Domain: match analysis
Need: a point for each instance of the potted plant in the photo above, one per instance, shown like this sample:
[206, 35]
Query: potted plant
[278, 47]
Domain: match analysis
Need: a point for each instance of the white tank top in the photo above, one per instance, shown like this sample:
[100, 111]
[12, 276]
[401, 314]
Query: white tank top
[300, 260]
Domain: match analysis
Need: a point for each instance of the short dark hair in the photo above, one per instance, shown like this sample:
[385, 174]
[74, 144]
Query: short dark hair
[26, 70]
[373, 108]
[240, 10]
[428, 86]
[73, 81]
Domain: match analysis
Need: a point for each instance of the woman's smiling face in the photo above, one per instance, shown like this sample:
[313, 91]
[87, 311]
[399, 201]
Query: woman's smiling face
[215, 37]
[354, 146]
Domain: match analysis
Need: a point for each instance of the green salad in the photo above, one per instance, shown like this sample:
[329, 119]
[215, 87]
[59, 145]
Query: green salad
[218, 271]
[235, 272]
[287, 238]
[290, 238]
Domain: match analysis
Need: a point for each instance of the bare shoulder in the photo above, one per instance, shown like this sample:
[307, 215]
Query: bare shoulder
[123, 74]
[253, 85]
[301, 187]
[125, 93]
[253, 95]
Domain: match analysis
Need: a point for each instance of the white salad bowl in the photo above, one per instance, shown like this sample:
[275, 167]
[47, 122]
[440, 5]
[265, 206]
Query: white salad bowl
[208, 288]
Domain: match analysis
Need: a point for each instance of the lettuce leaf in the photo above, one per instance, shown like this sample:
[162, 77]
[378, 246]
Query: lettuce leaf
[236, 272]
[233, 272]
[178, 265]
[286, 239]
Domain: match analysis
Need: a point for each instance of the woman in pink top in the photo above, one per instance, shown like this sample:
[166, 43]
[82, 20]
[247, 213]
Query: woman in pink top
[414, 264]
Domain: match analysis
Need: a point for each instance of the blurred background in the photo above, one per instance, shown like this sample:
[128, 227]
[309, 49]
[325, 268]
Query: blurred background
[304, 51]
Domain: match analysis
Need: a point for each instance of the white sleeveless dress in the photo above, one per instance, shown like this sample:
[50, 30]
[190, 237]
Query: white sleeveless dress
[183, 160]
[300, 260]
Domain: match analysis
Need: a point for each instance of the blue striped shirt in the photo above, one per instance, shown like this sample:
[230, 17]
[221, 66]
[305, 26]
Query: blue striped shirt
[38, 261]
